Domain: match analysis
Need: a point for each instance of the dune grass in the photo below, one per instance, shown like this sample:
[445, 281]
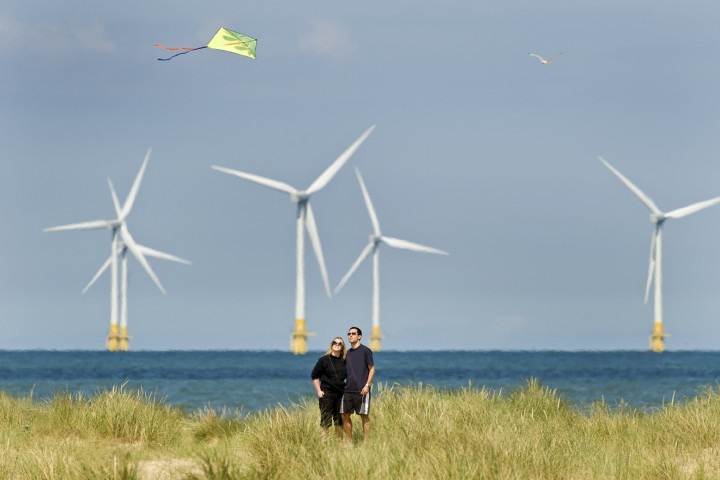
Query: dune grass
[417, 432]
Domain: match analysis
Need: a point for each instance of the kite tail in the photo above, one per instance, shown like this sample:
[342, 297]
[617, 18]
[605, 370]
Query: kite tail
[188, 50]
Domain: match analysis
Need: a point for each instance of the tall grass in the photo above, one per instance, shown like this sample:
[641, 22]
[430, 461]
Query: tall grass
[114, 414]
[417, 432]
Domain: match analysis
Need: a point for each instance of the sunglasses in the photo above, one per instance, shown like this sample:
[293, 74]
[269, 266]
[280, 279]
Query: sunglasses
[337, 343]
[352, 333]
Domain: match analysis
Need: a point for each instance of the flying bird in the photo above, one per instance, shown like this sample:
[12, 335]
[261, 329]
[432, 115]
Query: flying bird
[544, 61]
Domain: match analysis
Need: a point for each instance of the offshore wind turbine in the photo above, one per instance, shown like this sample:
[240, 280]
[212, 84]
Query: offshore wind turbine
[121, 241]
[305, 219]
[123, 338]
[376, 238]
[658, 217]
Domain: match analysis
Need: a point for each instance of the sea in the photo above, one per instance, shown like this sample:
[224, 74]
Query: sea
[245, 382]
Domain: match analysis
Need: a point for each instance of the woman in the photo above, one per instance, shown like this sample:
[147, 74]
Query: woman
[328, 377]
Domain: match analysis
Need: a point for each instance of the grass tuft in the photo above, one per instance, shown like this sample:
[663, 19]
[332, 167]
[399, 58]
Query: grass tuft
[418, 431]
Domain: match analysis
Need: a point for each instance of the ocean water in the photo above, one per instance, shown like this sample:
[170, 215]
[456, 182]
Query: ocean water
[250, 381]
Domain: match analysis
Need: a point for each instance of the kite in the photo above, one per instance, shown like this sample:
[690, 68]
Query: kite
[224, 39]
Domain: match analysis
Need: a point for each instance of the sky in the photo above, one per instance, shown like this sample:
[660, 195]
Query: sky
[478, 150]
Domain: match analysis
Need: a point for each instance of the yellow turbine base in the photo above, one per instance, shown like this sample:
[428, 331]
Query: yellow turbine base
[298, 340]
[375, 338]
[657, 338]
[113, 338]
[123, 340]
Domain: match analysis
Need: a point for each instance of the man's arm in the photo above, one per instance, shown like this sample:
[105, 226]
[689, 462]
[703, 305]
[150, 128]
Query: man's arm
[371, 374]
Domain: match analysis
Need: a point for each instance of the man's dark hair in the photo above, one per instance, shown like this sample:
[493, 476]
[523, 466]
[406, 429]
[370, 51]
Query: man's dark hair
[358, 330]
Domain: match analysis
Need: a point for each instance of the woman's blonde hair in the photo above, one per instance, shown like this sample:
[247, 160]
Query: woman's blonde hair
[344, 350]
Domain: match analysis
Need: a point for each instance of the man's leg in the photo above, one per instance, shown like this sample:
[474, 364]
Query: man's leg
[347, 426]
[365, 426]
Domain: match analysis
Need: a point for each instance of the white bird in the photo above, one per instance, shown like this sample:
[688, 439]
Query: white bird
[544, 61]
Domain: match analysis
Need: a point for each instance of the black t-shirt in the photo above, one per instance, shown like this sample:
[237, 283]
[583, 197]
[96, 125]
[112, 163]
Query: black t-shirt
[357, 361]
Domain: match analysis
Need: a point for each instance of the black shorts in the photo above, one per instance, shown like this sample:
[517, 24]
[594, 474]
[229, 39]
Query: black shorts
[330, 409]
[355, 402]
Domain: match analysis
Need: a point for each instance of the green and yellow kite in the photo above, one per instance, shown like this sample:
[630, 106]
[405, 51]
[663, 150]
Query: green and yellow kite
[224, 39]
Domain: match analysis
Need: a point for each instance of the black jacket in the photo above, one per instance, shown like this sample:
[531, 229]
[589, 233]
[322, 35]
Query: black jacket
[331, 372]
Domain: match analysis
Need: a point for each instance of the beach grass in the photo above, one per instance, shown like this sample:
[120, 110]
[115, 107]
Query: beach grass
[418, 431]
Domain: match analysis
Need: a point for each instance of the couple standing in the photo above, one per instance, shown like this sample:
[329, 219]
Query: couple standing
[342, 380]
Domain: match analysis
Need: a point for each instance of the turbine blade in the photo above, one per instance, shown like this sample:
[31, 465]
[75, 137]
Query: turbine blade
[651, 264]
[104, 267]
[684, 211]
[116, 202]
[404, 244]
[315, 240]
[368, 204]
[135, 187]
[267, 182]
[139, 256]
[91, 225]
[330, 172]
[363, 255]
[165, 256]
[639, 193]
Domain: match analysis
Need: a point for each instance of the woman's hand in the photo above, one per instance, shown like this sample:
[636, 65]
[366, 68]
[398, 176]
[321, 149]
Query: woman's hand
[321, 394]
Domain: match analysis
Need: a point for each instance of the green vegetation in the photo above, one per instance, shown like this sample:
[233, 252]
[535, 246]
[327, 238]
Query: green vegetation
[417, 432]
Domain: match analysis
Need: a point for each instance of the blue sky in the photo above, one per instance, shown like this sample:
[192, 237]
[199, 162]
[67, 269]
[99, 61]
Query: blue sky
[479, 150]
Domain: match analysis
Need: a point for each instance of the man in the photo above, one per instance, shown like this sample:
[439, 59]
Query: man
[360, 372]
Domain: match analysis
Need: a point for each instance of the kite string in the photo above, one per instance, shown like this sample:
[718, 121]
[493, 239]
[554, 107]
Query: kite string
[188, 50]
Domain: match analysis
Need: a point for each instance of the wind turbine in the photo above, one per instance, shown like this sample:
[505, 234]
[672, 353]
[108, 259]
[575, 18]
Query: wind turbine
[118, 338]
[376, 238]
[658, 217]
[123, 337]
[305, 218]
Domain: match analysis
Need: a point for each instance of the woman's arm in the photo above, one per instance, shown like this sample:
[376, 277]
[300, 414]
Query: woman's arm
[316, 383]
[315, 375]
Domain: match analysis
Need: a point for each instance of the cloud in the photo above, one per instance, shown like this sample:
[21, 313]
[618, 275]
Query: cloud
[92, 38]
[511, 325]
[327, 39]
[10, 32]
[14, 36]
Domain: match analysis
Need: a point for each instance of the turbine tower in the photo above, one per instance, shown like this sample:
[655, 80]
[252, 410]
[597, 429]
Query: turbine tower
[123, 338]
[305, 218]
[376, 238]
[118, 337]
[658, 217]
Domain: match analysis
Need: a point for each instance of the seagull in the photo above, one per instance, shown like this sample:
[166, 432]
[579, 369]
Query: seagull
[544, 61]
